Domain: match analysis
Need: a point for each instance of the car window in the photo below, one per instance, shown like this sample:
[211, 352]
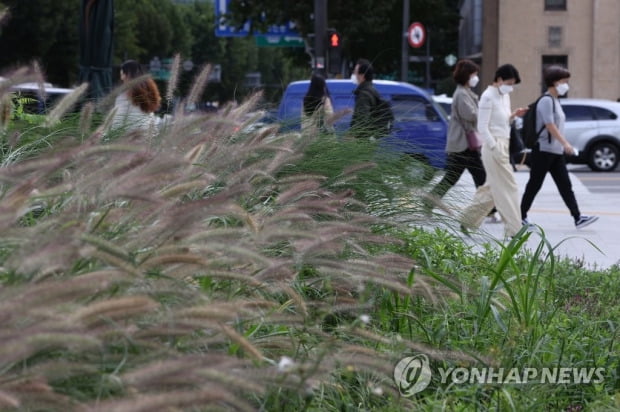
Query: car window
[604, 114]
[447, 108]
[577, 113]
[407, 108]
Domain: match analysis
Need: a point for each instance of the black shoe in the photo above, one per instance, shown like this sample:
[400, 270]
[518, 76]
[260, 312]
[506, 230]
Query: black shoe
[584, 221]
[465, 231]
[427, 206]
[527, 223]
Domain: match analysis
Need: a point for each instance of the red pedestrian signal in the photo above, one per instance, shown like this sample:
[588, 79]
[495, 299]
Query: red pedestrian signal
[334, 51]
[334, 40]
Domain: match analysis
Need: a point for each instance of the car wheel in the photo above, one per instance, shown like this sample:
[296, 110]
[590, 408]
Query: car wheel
[603, 157]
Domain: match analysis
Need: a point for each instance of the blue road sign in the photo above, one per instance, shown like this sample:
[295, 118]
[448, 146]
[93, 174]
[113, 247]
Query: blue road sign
[224, 30]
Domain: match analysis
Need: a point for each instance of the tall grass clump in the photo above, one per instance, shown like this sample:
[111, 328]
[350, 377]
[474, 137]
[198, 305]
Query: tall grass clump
[186, 270]
[388, 181]
[520, 309]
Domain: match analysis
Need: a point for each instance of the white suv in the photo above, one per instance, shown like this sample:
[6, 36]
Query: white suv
[593, 127]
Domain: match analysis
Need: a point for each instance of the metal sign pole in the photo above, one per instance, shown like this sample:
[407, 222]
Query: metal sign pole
[428, 58]
[404, 68]
[320, 35]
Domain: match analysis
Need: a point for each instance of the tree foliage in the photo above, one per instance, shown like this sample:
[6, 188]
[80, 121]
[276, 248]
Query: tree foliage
[47, 31]
[161, 30]
[42, 30]
[370, 29]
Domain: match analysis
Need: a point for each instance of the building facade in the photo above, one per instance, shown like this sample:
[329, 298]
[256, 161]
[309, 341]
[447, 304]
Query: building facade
[582, 35]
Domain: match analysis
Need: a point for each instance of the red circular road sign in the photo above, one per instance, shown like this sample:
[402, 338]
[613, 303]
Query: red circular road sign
[416, 35]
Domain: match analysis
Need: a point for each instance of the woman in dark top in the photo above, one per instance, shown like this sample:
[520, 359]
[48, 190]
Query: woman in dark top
[317, 106]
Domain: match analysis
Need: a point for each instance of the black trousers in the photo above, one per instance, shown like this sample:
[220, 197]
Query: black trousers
[555, 164]
[456, 163]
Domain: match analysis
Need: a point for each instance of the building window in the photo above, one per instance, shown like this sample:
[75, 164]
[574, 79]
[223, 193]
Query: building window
[555, 4]
[556, 60]
[555, 36]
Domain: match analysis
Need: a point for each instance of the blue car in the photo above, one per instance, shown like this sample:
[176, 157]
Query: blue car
[420, 125]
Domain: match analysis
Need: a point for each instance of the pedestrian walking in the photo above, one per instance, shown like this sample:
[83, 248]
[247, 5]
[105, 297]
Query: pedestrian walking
[317, 107]
[500, 189]
[372, 116]
[463, 120]
[548, 153]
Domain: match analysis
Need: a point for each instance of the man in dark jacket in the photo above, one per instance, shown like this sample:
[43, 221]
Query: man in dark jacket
[366, 97]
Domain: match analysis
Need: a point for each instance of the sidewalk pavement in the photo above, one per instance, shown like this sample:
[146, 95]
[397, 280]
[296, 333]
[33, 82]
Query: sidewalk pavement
[550, 213]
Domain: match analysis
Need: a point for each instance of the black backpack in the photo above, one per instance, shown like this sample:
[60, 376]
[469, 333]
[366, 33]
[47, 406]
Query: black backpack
[529, 133]
[382, 116]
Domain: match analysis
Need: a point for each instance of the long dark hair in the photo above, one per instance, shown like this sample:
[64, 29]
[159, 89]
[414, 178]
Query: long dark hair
[144, 94]
[316, 92]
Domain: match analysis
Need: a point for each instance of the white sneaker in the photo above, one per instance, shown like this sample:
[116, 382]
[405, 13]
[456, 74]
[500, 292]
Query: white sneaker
[494, 218]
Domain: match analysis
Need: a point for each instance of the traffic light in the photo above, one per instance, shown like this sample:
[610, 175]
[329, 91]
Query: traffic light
[334, 39]
[334, 51]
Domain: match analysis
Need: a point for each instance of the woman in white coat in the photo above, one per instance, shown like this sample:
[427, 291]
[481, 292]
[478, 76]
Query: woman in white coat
[494, 119]
[135, 108]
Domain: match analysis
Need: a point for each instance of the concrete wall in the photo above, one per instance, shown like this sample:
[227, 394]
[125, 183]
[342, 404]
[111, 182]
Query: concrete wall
[606, 49]
[517, 32]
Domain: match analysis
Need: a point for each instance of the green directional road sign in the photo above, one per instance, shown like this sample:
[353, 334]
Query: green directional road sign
[279, 41]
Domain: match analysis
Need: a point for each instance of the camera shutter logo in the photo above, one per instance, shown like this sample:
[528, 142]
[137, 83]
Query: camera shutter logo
[412, 374]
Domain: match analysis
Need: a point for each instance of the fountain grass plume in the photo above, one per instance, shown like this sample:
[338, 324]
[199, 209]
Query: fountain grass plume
[180, 271]
[198, 85]
[86, 118]
[174, 78]
[64, 105]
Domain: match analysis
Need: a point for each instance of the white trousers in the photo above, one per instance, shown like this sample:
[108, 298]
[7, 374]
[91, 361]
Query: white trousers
[500, 190]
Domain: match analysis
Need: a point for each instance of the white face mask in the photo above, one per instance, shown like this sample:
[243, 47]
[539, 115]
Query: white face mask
[473, 81]
[506, 88]
[354, 78]
[562, 88]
